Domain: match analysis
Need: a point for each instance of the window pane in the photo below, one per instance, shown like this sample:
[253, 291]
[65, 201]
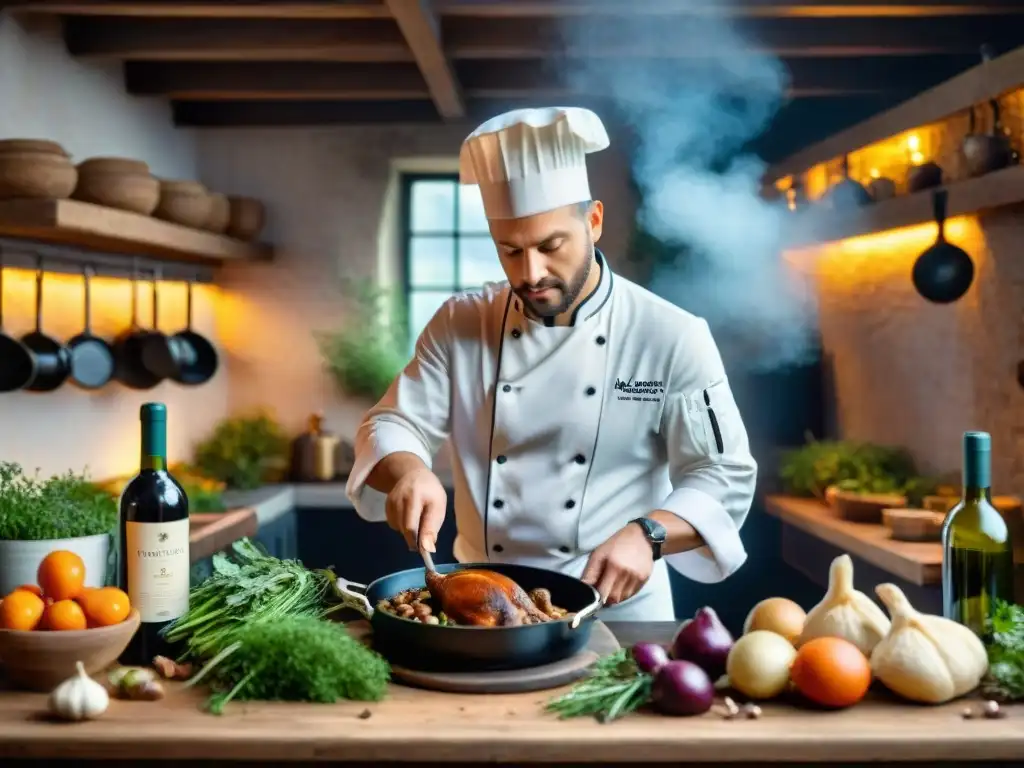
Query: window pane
[471, 210]
[422, 306]
[478, 262]
[433, 206]
[432, 262]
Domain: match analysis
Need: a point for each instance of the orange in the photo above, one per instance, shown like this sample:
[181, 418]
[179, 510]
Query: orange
[21, 610]
[61, 575]
[105, 606]
[64, 615]
[831, 672]
[35, 590]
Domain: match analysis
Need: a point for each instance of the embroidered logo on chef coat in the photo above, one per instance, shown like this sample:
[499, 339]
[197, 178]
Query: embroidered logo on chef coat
[639, 390]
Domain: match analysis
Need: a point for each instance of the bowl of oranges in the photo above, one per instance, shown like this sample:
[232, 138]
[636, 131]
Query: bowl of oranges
[46, 627]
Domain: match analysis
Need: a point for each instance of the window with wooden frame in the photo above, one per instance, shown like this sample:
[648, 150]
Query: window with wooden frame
[446, 243]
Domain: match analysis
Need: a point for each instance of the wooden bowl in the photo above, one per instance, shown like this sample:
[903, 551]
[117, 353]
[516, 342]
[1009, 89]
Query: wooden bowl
[865, 507]
[41, 660]
[36, 175]
[117, 182]
[247, 218]
[220, 214]
[184, 202]
[41, 146]
[913, 524]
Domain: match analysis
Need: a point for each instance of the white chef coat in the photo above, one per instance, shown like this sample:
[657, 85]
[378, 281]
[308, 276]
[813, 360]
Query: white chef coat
[561, 435]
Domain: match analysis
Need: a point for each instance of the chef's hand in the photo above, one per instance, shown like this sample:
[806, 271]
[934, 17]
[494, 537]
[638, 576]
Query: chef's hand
[415, 508]
[620, 567]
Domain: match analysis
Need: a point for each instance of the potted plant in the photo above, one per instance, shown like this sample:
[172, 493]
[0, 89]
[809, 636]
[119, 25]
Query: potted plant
[39, 515]
[244, 452]
[372, 348]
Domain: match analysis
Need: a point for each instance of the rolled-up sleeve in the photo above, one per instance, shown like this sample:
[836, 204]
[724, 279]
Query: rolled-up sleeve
[712, 471]
[413, 416]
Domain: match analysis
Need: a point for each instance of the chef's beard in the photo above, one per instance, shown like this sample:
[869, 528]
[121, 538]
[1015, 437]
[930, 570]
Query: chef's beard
[568, 292]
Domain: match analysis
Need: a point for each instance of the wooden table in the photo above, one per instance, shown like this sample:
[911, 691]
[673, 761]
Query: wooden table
[422, 727]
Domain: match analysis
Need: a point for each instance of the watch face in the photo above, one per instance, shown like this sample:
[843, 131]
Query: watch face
[655, 531]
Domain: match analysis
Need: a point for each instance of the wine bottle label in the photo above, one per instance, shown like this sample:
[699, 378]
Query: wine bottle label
[158, 569]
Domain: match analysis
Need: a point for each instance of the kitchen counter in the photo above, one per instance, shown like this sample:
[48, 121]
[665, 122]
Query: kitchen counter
[421, 726]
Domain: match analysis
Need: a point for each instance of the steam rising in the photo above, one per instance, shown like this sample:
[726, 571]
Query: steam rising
[692, 116]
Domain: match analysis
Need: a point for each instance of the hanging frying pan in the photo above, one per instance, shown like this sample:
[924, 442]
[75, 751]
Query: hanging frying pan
[17, 365]
[53, 358]
[92, 358]
[944, 272]
[128, 366]
[188, 357]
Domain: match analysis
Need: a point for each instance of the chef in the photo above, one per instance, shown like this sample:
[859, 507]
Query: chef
[592, 425]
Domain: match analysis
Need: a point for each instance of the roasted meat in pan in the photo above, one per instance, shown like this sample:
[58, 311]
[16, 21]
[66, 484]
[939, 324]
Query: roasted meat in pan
[482, 598]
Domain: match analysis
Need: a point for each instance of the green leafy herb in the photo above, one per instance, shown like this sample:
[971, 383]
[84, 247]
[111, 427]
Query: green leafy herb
[614, 688]
[1005, 679]
[33, 508]
[244, 452]
[366, 355]
[295, 658]
[246, 587]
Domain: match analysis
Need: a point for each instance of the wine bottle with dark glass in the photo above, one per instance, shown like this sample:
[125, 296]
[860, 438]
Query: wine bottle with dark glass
[977, 549]
[153, 549]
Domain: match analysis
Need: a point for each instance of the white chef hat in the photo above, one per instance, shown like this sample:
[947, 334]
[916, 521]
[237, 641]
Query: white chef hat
[529, 161]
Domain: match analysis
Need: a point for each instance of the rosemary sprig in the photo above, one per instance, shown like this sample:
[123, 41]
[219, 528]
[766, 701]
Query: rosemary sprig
[614, 688]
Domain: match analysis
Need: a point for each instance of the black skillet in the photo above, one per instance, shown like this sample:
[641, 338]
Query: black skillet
[128, 366]
[17, 365]
[944, 272]
[92, 358]
[435, 648]
[186, 357]
[53, 358]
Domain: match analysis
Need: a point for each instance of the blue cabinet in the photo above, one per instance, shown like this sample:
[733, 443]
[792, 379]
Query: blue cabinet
[280, 536]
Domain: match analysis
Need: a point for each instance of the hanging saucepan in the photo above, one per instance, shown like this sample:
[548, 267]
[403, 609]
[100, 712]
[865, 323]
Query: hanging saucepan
[984, 153]
[128, 366]
[846, 193]
[187, 357]
[17, 365]
[92, 358]
[944, 272]
[53, 358]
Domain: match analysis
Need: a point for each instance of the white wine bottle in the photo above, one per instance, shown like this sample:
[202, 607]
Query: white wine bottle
[153, 550]
[977, 550]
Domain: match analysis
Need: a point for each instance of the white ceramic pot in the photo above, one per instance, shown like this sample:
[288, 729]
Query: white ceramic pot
[19, 560]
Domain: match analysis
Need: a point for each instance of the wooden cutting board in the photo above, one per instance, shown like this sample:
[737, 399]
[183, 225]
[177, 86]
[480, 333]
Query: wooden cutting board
[602, 642]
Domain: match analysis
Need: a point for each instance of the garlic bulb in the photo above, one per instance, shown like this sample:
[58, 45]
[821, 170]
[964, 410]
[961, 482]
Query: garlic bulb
[845, 612]
[79, 697]
[926, 658]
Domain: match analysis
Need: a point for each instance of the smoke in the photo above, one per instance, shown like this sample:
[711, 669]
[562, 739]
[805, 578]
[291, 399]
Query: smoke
[692, 116]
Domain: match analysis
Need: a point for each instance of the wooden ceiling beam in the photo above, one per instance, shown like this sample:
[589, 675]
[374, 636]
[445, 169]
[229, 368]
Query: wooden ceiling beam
[186, 9]
[381, 40]
[422, 30]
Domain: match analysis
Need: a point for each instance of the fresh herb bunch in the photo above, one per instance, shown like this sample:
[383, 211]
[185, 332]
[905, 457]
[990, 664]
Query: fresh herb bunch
[614, 688]
[366, 355]
[33, 508]
[852, 466]
[248, 586]
[294, 658]
[244, 452]
[1005, 679]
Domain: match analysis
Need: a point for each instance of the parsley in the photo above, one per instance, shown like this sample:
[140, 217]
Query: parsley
[33, 508]
[1005, 679]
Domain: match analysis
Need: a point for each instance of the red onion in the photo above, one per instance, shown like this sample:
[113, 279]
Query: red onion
[649, 657]
[705, 641]
[682, 688]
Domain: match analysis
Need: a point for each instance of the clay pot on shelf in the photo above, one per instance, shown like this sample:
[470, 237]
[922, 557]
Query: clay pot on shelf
[184, 202]
[986, 152]
[881, 189]
[924, 176]
[220, 213]
[247, 218]
[35, 168]
[117, 182]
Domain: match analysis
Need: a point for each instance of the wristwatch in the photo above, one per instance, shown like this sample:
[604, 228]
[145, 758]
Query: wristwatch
[655, 534]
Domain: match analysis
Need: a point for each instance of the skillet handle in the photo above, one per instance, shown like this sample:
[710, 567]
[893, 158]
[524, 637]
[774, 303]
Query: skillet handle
[586, 613]
[354, 596]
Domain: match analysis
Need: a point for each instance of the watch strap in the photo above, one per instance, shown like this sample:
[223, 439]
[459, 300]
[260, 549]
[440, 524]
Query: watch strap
[654, 532]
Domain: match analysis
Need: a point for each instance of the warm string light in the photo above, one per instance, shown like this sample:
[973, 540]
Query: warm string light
[914, 149]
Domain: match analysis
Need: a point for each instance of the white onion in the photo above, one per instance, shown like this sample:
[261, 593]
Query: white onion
[758, 665]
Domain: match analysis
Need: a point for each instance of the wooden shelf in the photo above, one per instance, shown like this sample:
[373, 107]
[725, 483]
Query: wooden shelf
[107, 230]
[994, 190]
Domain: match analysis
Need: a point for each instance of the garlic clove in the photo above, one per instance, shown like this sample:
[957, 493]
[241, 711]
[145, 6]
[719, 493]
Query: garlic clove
[79, 697]
[925, 658]
[845, 612]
